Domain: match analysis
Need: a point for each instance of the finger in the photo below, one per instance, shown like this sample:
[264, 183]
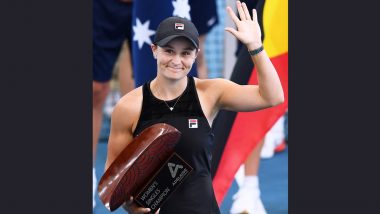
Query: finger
[254, 15]
[231, 30]
[240, 10]
[246, 11]
[233, 16]
[129, 201]
[143, 210]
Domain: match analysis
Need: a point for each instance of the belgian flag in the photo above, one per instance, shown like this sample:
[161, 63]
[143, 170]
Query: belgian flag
[237, 134]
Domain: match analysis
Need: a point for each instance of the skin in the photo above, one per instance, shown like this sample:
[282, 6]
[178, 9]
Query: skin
[251, 165]
[174, 62]
[201, 59]
[126, 81]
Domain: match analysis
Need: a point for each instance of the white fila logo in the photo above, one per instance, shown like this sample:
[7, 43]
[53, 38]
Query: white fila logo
[173, 172]
[193, 123]
[179, 26]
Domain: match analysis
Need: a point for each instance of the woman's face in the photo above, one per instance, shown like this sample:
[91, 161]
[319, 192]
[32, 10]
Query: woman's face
[175, 60]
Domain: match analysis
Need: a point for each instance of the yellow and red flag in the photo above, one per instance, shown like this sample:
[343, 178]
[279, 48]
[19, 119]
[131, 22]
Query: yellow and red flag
[237, 134]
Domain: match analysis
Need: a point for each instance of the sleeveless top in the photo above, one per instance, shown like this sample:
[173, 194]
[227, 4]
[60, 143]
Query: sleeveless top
[195, 194]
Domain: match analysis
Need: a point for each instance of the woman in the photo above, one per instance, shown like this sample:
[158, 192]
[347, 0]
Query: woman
[174, 98]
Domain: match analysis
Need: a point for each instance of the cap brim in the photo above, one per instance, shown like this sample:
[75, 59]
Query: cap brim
[165, 41]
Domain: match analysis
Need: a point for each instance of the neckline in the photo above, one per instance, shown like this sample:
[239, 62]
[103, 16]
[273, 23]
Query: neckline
[172, 100]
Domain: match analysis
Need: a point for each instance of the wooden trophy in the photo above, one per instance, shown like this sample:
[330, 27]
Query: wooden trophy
[147, 169]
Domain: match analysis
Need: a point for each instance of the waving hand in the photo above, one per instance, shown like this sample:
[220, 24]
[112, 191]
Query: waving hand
[248, 29]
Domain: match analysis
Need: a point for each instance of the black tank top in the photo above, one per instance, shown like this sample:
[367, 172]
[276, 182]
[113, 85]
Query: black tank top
[196, 194]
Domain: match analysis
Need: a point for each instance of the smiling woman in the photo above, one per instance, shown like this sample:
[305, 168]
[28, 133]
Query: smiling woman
[175, 47]
[175, 59]
[191, 104]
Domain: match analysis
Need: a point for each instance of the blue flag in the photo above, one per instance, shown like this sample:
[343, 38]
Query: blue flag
[147, 14]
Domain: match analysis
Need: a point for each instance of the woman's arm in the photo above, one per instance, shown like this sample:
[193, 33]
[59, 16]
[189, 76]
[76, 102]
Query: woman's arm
[123, 120]
[269, 91]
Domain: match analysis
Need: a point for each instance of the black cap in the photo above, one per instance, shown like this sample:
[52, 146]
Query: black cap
[173, 27]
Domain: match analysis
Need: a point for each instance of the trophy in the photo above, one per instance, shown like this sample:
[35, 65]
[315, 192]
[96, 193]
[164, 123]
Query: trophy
[147, 169]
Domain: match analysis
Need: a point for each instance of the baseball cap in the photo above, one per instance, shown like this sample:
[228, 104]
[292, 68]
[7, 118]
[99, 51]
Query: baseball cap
[173, 27]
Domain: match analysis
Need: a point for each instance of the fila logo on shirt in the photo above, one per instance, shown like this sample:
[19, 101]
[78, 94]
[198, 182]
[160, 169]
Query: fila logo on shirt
[193, 123]
[173, 168]
[179, 26]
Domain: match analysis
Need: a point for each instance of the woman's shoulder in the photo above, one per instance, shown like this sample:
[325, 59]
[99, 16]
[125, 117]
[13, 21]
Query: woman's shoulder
[209, 84]
[130, 102]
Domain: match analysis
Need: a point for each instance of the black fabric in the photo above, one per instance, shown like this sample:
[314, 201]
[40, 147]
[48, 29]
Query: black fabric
[196, 194]
[173, 27]
[224, 120]
[204, 21]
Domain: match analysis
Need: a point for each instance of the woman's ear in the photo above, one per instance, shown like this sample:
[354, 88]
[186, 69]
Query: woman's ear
[196, 53]
[154, 50]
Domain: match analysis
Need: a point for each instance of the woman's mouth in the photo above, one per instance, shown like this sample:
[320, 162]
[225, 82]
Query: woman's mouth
[175, 69]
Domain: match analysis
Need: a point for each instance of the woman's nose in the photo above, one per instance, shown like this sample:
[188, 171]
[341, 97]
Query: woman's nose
[176, 59]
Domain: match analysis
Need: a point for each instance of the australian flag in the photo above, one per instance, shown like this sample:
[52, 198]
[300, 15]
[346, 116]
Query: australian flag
[147, 15]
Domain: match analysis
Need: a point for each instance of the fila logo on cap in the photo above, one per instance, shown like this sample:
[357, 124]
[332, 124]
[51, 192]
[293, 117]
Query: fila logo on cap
[179, 26]
[193, 123]
[173, 171]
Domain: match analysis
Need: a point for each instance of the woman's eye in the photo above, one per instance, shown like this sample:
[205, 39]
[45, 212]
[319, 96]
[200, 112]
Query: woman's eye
[186, 53]
[169, 51]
